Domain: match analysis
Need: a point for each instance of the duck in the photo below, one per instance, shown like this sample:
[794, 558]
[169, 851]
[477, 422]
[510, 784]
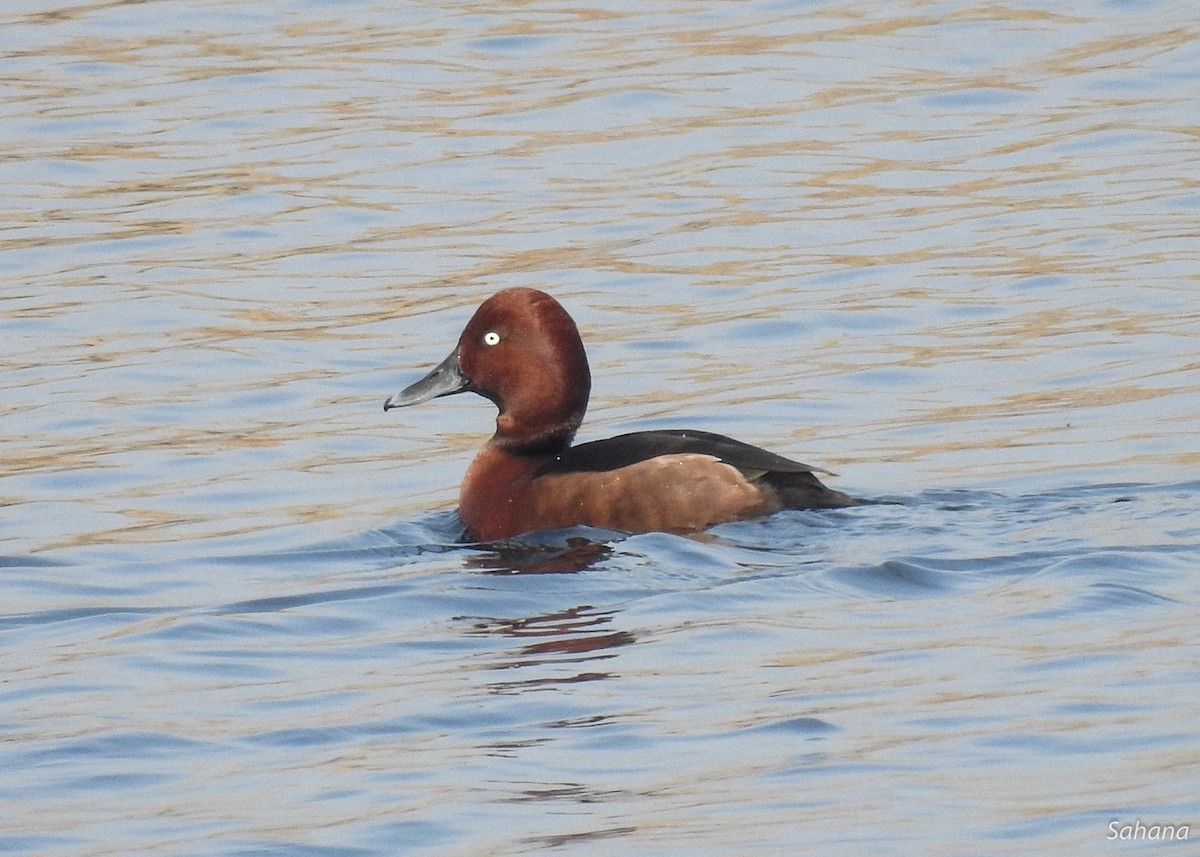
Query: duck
[522, 351]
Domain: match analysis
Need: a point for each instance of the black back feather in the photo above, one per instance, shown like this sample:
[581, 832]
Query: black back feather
[626, 449]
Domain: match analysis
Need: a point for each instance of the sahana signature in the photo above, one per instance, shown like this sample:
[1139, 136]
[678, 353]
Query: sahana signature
[1138, 830]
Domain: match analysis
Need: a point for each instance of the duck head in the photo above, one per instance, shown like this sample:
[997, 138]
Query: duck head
[522, 351]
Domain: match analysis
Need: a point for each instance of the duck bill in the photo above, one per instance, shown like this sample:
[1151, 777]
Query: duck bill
[445, 379]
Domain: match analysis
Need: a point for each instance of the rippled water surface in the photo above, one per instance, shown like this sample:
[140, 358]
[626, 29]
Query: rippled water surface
[949, 251]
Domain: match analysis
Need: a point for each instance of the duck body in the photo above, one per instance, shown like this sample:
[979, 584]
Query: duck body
[522, 351]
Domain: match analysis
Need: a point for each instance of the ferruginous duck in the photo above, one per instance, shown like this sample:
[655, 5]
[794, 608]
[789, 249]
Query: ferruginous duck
[522, 351]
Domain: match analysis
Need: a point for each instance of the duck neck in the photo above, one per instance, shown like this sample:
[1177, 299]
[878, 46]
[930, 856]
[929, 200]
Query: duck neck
[513, 437]
[541, 447]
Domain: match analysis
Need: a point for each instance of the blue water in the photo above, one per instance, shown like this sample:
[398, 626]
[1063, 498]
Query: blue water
[948, 252]
[958, 671]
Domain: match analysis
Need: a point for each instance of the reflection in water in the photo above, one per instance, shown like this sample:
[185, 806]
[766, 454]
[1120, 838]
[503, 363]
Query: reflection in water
[526, 556]
[565, 839]
[574, 636]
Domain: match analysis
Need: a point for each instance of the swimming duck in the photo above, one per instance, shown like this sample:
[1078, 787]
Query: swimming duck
[522, 351]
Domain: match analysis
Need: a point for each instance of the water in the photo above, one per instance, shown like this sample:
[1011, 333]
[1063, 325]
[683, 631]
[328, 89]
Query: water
[947, 251]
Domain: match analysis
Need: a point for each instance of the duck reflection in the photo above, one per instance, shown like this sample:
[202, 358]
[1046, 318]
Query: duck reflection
[574, 636]
[575, 631]
[568, 637]
[575, 553]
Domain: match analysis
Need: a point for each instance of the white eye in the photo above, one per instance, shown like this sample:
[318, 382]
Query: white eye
[491, 338]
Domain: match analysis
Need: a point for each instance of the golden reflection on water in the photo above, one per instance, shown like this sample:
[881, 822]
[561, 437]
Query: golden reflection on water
[229, 241]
